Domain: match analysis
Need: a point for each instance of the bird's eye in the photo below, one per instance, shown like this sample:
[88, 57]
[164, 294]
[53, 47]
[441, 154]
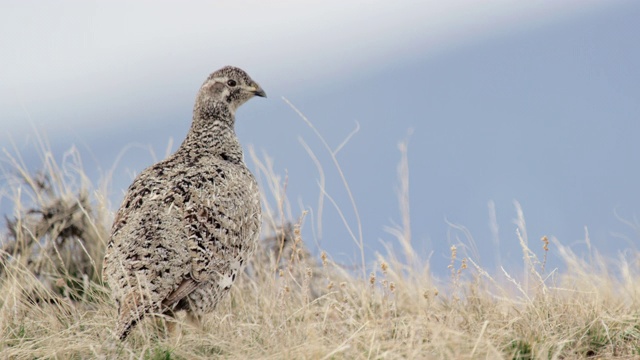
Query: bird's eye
[231, 83]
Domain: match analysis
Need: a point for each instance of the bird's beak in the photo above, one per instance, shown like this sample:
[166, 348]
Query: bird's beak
[257, 91]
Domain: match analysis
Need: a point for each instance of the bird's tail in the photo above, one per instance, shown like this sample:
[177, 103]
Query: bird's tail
[131, 310]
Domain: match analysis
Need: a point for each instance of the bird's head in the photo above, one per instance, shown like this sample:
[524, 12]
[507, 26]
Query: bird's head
[230, 85]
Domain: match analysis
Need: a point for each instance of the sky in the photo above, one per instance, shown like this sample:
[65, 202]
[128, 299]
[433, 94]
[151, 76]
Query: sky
[499, 101]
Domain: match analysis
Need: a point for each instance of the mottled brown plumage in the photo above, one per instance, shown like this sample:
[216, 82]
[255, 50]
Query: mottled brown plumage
[188, 224]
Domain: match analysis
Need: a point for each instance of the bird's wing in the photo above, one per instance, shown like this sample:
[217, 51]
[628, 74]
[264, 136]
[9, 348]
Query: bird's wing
[185, 288]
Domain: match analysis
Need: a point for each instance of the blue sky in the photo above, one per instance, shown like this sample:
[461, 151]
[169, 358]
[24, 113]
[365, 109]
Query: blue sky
[529, 101]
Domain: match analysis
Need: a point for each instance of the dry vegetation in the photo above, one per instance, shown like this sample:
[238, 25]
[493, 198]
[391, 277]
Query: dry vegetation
[295, 305]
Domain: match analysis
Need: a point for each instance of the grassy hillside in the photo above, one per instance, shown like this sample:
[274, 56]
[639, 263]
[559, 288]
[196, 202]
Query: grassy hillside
[290, 304]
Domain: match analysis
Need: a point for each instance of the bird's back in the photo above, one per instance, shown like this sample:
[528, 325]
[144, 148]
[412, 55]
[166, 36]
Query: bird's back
[182, 223]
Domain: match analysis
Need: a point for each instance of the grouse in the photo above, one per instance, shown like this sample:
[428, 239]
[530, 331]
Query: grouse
[188, 224]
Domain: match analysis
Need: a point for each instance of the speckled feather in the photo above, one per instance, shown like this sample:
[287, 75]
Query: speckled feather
[188, 224]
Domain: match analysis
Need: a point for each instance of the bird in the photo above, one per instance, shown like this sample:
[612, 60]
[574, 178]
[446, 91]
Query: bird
[188, 224]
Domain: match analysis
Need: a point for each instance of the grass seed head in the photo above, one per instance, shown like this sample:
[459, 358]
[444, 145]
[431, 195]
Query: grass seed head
[323, 256]
[545, 241]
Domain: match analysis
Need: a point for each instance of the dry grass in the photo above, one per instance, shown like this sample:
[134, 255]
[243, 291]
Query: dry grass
[292, 304]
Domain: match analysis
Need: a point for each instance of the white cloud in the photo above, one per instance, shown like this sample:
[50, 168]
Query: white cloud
[64, 53]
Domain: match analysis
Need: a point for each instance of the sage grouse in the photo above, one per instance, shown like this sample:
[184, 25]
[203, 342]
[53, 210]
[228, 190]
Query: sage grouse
[188, 224]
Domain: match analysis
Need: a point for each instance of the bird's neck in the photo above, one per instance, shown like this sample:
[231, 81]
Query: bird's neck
[212, 134]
